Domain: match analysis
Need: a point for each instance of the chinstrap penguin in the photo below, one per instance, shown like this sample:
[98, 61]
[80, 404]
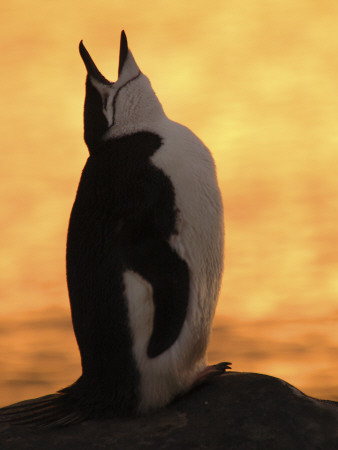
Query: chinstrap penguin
[144, 256]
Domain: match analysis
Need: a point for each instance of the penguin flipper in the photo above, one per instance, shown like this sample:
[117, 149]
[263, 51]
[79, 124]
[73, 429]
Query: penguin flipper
[168, 274]
[170, 296]
[44, 412]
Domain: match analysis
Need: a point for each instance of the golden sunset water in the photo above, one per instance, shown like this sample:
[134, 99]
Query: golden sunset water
[258, 82]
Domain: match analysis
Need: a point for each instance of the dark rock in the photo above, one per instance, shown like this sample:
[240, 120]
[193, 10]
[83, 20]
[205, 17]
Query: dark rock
[237, 411]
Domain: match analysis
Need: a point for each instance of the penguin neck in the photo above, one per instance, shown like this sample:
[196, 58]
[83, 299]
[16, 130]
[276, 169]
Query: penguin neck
[136, 108]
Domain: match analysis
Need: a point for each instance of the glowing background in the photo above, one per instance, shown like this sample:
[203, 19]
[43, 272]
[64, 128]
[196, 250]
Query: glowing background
[257, 81]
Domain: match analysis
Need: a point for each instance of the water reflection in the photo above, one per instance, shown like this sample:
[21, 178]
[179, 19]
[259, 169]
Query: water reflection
[38, 352]
[259, 86]
[302, 352]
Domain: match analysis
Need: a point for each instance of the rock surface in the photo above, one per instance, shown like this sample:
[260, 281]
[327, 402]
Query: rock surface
[237, 411]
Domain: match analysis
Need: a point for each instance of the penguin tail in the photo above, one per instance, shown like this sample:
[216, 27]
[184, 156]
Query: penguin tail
[44, 412]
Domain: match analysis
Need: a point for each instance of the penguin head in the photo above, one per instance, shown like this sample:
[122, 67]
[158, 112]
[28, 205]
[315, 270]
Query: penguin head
[114, 109]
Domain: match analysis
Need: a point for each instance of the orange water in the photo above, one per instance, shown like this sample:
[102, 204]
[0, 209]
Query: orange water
[257, 81]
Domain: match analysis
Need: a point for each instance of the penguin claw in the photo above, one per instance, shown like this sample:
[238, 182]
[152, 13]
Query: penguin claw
[222, 366]
[210, 372]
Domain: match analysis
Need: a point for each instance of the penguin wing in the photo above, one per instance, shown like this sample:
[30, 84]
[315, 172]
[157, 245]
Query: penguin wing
[150, 255]
[155, 261]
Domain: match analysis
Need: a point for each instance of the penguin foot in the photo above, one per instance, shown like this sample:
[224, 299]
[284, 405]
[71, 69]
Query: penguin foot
[210, 372]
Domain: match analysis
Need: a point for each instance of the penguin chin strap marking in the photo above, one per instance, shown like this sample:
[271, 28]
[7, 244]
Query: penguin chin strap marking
[109, 97]
[117, 93]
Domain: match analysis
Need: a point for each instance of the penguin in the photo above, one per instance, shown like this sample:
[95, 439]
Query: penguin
[144, 257]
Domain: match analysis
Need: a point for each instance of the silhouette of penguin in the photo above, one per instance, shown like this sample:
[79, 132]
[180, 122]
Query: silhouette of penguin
[144, 256]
